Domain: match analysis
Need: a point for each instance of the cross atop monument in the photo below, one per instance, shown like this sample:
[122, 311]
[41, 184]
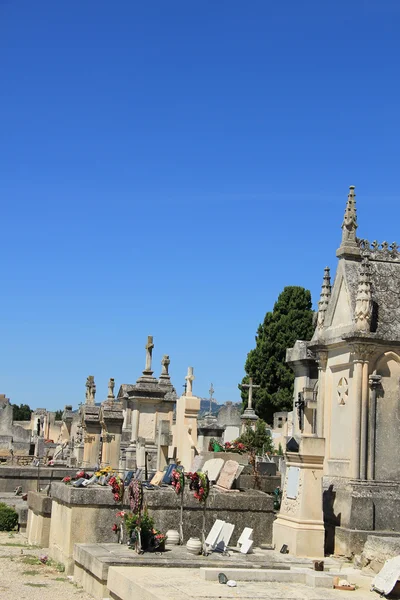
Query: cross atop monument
[149, 351]
[189, 379]
[251, 386]
[211, 391]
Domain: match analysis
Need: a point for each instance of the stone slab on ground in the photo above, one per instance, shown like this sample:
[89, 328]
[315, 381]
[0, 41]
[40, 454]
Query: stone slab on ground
[93, 561]
[182, 584]
[377, 550]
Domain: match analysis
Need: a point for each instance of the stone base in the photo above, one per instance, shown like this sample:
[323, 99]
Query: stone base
[302, 538]
[354, 509]
[27, 477]
[39, 515]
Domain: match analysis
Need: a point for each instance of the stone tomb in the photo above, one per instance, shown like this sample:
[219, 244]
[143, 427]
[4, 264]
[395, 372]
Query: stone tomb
[213, 468]
[228, 475]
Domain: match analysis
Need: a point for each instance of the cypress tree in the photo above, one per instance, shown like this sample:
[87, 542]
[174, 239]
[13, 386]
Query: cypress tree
[290, 320]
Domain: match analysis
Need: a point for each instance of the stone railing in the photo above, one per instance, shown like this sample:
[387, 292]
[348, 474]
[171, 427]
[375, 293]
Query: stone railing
[384, 252]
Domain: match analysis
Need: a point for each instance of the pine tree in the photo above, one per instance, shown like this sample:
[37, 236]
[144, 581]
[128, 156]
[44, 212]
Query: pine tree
[290, 320]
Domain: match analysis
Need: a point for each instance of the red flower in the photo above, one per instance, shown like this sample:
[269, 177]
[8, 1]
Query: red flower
[115, 527]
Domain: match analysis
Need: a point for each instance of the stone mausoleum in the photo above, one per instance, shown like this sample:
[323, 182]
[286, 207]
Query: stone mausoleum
[347, 389]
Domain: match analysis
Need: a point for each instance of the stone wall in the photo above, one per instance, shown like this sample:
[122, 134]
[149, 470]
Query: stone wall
[27, 477]
[244, 509]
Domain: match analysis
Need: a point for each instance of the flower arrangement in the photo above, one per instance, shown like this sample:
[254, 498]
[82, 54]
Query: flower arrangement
[200, 484]
[117, 486]
[178, 480]
[66, 480]
[104, 471]
[235, 446]
[135, 494]
[142, 525]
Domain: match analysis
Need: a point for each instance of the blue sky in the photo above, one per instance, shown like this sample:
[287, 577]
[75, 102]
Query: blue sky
[166, 168]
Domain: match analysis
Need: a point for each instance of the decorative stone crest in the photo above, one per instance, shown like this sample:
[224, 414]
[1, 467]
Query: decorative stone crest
[324, 298]
[363, 310]
[381, 252]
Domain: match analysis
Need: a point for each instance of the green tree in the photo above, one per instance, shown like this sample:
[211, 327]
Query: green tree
[258, 440]
[290, 320]
[22, 412]
[58, 415]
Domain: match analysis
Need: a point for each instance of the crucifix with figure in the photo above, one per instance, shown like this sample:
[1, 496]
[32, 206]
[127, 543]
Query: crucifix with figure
[250, 386]
[211, 391]
[149, 350]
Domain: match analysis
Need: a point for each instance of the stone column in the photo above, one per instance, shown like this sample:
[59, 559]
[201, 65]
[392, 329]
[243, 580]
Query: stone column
[364, 422]
[357, 399]
[322, 360]
[91, 449]
[374, 383]
[112, 418]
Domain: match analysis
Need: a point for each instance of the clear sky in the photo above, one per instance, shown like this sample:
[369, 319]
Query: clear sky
[166, 168]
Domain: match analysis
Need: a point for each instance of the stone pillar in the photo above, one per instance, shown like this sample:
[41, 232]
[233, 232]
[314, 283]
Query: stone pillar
[112, 419]
[322, 360]
[374, 383]
[300, 523]
[357, 400]
[91, 449]
[364, 422]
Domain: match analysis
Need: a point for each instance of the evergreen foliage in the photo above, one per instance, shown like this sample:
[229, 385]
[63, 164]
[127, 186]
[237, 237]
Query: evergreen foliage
[290, 320]
[8, 517]
[22, 412]
[258, 441]
[58, 415]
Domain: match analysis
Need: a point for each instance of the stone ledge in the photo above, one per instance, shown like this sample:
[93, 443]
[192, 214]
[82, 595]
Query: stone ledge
[91, 495]
[40, 503]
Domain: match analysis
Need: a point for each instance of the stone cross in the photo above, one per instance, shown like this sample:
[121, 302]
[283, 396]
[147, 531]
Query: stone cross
[211, 391]
[111, 385]
[250, 387]
[165, 364]
[149, 351]
[189, 379]
[90, 390]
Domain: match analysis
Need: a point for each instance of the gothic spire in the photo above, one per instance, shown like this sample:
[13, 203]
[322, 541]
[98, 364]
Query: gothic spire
[363, 309]
[349, 227]
[324, 298]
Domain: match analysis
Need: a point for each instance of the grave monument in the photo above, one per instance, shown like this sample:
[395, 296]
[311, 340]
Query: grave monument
[347, 388]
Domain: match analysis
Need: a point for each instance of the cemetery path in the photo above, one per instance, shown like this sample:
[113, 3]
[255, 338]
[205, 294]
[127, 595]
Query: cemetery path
[23, 576]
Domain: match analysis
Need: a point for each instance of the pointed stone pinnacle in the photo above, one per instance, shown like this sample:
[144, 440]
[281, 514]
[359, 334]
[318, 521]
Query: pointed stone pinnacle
[363, 310]
[324, 298]
[349, 244]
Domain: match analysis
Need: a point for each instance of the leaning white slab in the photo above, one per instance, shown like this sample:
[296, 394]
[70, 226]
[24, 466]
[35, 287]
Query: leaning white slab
[212, 538]
[388, 576]
[213, 468]
[224, 537]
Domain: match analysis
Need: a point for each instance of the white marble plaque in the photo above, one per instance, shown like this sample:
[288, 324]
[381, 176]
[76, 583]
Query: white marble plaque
[387, 577]
[213, 468]
[292, 485]
[212, 538]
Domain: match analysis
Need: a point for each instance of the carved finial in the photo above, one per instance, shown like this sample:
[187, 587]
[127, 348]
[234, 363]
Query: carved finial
[363, 309]
[349, 225]
[189, 381]
[324, 298]
[90, 390]
[349, 244]
[165, 362]
[149, 351]
[111, 385]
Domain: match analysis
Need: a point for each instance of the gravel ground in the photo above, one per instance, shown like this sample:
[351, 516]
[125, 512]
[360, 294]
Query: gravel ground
[22, 576]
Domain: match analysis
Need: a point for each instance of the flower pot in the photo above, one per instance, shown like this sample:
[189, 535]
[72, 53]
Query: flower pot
[172, 537]
[194, 545]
